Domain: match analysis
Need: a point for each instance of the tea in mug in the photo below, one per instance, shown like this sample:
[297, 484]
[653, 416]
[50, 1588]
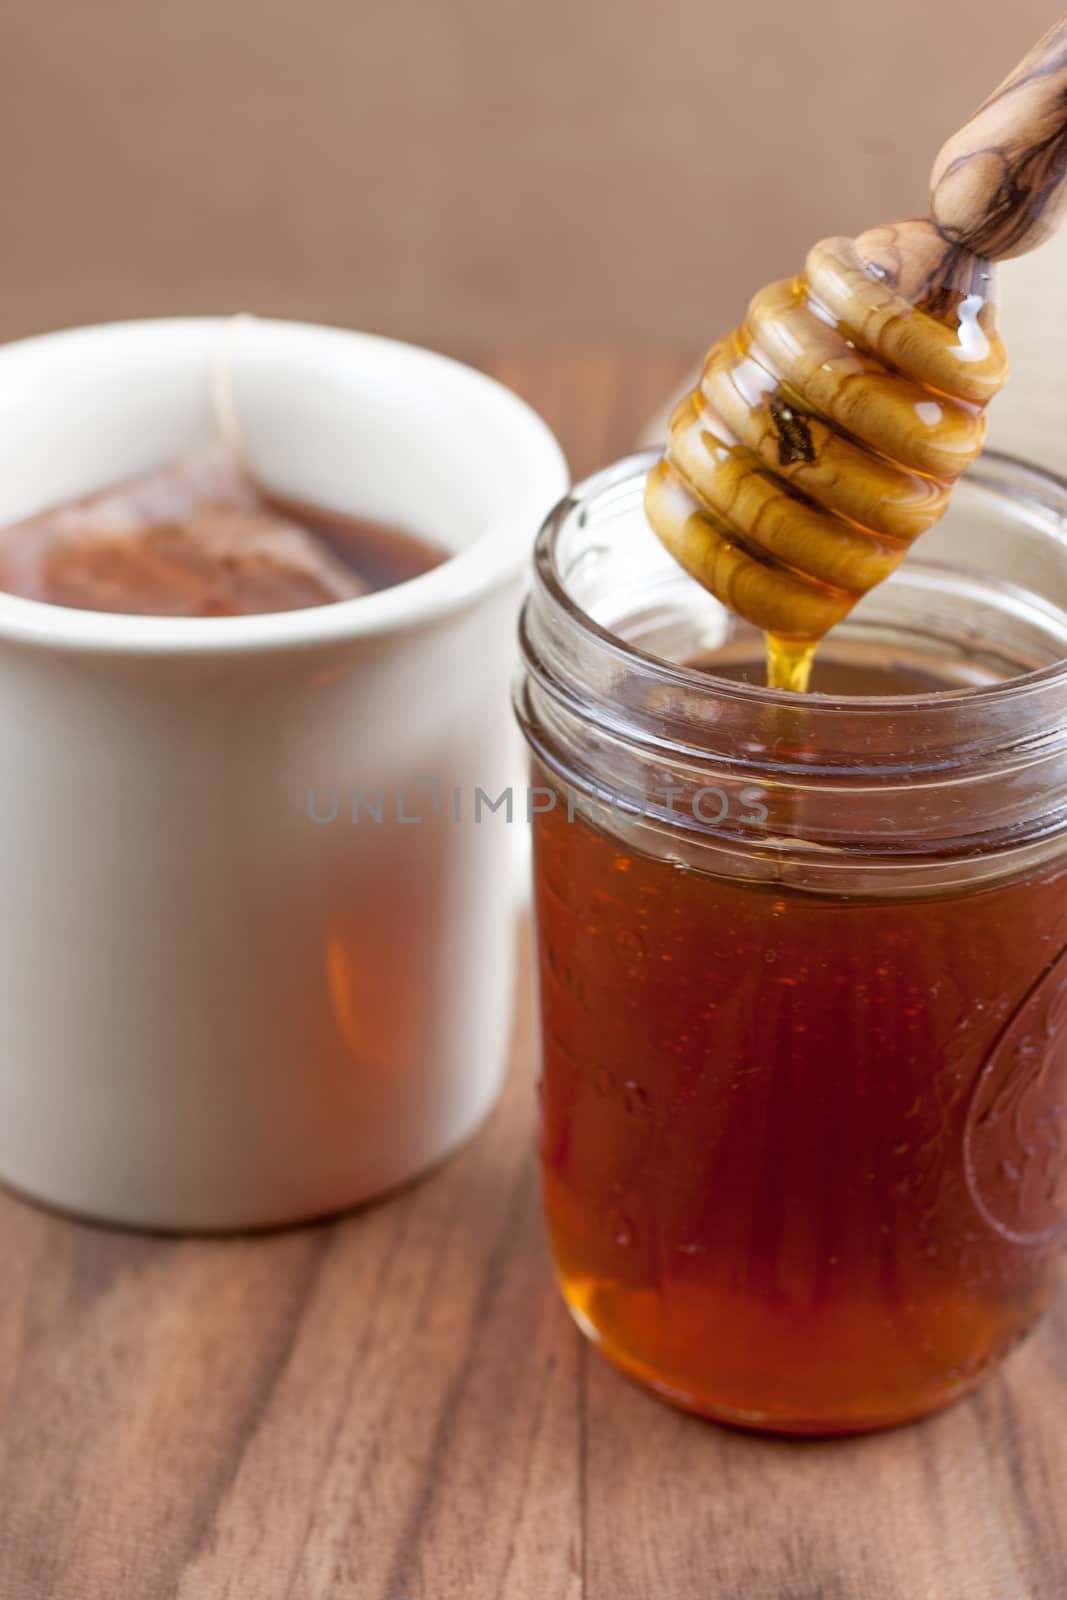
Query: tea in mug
[200, 538]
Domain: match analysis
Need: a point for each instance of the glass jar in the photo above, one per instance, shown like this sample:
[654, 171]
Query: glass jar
[803, 962]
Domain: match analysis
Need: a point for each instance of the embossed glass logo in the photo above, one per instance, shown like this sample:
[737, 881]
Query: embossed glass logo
[1015, 1145]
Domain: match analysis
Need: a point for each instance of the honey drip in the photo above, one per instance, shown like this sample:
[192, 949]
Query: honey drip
[790, 662]
[826, 433]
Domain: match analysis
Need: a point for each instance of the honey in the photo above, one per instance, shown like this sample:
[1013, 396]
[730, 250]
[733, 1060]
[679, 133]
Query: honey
[803, 958]
[803, 964]
[802, 1152]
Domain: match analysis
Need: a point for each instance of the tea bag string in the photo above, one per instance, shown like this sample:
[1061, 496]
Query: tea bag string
[221, 388]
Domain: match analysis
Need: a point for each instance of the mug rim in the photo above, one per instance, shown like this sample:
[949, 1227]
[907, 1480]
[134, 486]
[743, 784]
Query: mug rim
[496, 556]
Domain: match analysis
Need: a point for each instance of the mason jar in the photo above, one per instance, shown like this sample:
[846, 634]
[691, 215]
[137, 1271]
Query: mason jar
[803, 962]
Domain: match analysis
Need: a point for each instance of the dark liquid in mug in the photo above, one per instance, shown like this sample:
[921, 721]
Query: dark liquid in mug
[201, 539]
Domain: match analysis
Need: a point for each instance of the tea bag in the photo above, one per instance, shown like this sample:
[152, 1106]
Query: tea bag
[196, 538]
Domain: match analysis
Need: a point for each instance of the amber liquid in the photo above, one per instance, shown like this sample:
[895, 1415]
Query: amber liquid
[379, 553]
[790, 662]
[199, 538]
[802, 1154]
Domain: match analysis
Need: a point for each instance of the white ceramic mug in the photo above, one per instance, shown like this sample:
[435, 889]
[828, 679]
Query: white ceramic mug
[219, 1007]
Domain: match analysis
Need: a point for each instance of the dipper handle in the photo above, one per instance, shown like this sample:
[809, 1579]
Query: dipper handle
[999, 186]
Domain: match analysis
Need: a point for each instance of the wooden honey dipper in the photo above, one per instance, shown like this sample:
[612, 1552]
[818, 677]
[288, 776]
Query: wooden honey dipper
[827, 431]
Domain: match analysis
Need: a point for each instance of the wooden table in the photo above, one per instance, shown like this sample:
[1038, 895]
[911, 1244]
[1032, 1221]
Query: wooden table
[395, 1406]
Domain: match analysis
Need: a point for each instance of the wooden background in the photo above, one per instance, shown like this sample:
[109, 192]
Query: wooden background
[466, 172]
[395, 1405]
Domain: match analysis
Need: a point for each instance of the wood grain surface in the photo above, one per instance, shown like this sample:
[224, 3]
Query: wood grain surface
[395, 1406]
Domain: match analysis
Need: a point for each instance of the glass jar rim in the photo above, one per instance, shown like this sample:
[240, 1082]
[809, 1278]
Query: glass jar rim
[676, 674]
[953, 773]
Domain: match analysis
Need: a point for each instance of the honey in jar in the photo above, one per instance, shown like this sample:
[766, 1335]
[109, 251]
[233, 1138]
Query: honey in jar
[803, 965]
